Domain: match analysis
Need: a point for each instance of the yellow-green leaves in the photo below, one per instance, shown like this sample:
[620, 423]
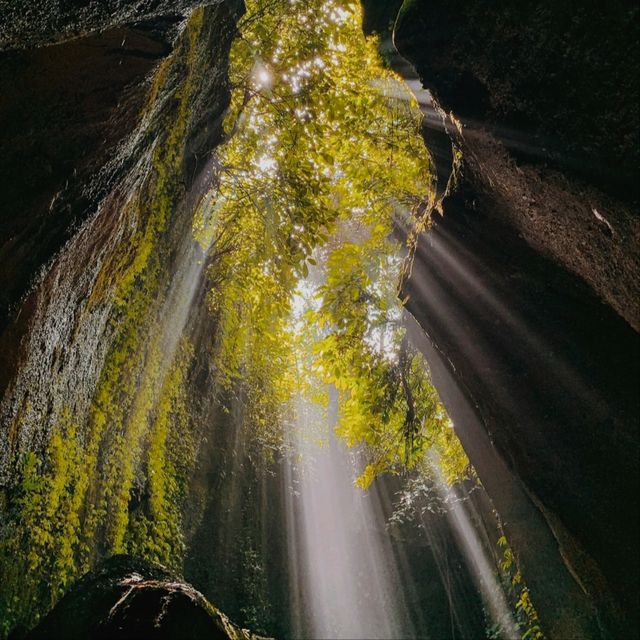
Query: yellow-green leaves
[324, 155]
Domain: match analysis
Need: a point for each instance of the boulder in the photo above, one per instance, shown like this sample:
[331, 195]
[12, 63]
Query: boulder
[126, 598]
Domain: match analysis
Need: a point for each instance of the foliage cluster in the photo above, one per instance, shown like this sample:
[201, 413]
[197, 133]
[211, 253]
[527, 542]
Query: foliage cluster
[526, 613]
[324, 163]
[386, 397]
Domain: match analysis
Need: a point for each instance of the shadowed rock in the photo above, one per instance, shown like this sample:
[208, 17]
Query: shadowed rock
[526, 285]
[131, 598]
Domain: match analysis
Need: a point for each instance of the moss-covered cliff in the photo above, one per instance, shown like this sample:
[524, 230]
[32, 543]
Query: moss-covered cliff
[97, 443]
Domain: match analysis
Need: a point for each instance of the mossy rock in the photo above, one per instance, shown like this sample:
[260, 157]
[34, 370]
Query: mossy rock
[126, 598]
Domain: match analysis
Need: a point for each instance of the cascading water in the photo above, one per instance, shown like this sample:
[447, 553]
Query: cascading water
[477, 558]
[346, 581]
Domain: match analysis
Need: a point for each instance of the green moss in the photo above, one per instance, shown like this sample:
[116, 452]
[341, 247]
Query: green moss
[40, 534]
[155, 531]
[131, 385]
[116, 482]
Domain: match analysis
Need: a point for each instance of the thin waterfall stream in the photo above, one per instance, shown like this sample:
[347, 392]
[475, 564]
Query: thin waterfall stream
[348, 578]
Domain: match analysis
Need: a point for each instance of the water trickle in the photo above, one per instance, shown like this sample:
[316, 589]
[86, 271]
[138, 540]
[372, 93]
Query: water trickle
[481, 565]
[345, 580]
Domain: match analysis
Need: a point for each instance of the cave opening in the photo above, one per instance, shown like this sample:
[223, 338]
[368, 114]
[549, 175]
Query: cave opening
[297, 359]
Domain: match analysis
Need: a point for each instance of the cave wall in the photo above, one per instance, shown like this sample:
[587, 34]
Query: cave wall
[509, 378]
[526, 285]
[69, 110]
[85, 127]
[117, 120]
[530, 308]
[131, 205]
[552, 80]
[70, 119]
[25, 25]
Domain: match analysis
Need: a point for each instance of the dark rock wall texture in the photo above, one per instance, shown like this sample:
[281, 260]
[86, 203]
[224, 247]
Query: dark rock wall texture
[68, 117]
[555, 79]
[70, 107]
[84, 124]
[27, 24]
[130, 598]
[527, 283]
[105, 156]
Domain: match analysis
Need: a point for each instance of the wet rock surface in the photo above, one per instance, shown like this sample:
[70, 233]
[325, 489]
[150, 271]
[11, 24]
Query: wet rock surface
[80, 73]
[586, 231]
[70, 110]
[126, 598]
[527, 283]
[102, 165]
[27, 24]
[60, 320]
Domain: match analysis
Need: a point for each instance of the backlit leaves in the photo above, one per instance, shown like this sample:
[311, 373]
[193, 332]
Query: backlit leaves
[324, 157]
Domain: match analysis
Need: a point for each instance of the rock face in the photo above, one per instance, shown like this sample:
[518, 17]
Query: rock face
[119, 127]
[521, 342]
[70, 111]
[527, 283]
[552, 80]
[126, 598]
[67, 189]
[80, 75]
[24, 25]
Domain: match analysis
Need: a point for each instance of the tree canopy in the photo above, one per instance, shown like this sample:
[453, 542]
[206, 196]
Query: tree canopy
[323, 166]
